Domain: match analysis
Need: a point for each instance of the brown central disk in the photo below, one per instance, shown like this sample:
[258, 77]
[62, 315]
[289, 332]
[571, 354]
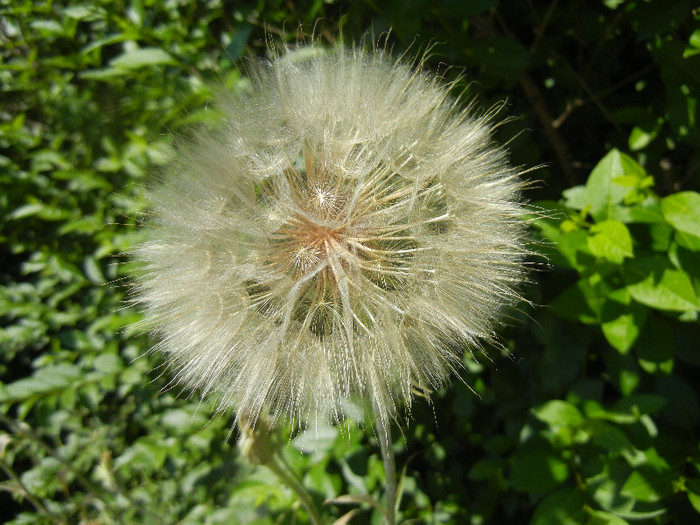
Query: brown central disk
[304, 243]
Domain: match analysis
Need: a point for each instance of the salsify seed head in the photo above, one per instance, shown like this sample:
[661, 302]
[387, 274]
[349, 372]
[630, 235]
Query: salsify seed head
[345, 235]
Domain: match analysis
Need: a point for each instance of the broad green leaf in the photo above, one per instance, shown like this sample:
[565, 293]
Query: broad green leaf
[182, 420]
[108, 363]
[315, 439]
[558, 413]
[44, 381]
[640, 138]
[603, 194]
[622, 324]
[610, 240]
[575, 198]
[26, 210]
[563, 507]
[608, 436]
[682, 211]
[653, 281]
[646, 484]
[688, 241]
[694, 501]
[695, 39]
[145, 56]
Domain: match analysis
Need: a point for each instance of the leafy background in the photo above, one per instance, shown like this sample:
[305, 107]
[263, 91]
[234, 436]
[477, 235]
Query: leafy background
[593, 418]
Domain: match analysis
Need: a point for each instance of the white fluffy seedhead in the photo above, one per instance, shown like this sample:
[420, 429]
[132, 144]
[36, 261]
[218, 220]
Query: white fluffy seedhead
[346, 234]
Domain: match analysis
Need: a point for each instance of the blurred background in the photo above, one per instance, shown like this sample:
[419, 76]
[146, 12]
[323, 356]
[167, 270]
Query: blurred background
[590, 416]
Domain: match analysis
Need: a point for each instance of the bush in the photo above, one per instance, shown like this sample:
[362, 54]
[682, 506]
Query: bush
[592, 417]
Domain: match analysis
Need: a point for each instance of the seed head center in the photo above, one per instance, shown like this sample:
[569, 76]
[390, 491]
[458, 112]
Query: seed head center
[310, 242]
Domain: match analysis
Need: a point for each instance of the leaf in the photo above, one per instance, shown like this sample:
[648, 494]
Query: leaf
[563, 507]
[640, 138]
[603, 194]
[682, 211]
[108, 363]
[558, 413]
[646, 484]
[610, 240]
[315, 439]
[583, 301]
[638, 404]
[44, 381]
[694, 501]
[653, 281]
[607, 436]
[622, 324]
[600, 517]
[693, 487]
[575, 198]
[145, 56]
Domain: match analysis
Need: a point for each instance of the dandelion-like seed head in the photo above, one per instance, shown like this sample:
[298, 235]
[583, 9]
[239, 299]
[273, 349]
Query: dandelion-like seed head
[347, 234]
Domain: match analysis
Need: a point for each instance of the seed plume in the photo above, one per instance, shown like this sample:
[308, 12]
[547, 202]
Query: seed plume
[345, 236]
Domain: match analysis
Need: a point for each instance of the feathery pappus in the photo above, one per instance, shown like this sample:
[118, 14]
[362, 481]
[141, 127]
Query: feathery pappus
[346, 234]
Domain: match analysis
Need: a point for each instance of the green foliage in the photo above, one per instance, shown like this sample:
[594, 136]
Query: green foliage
[595, 418]
[636, 263]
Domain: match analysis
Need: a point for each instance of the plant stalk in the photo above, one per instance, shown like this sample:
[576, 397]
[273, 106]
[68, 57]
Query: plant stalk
[280, 468]
[385, 445]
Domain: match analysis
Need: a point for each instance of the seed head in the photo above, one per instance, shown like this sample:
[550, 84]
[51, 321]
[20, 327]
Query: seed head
[346, 235]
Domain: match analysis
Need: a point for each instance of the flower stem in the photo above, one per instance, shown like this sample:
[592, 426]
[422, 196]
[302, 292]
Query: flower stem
[259, 446]
[284, 472]
[385, 445]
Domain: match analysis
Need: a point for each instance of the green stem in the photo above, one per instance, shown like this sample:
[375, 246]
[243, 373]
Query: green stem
[385, 445]
[36, 502]
[284, 472]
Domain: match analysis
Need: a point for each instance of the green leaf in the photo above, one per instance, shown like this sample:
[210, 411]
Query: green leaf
[583, 301]
[693, 488]
[558, 413]
[607, 436]
[183, 421]
[622, 323]
[654, 281]
[44, 381]
[694, 501]
[640, 138]
[563, 507]
[603, 194]
[694, 39]
[575, 198]
[638, 404]
[610, 240]
[682, 211]
[600, 517]
[315, 439]
[145, 56]
[108, 363]
[646, 484]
